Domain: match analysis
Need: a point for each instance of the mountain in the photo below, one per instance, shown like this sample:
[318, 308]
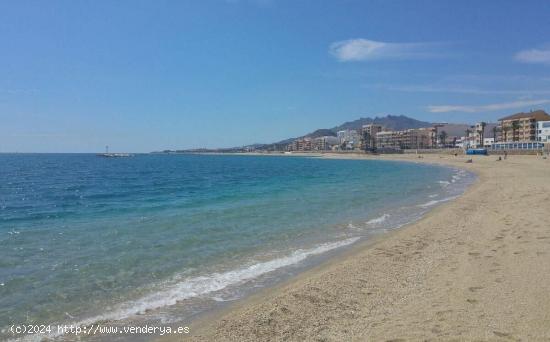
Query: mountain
[391, 122]
[323, 132]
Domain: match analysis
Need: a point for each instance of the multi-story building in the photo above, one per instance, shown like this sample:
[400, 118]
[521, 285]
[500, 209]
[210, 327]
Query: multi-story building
[481, 134]
[543, 131]
[417, 138]
[349, 138]
[368, 137]
[471, 139]
[325, 143]
[388, 140]
[300, 145]
[522, 126]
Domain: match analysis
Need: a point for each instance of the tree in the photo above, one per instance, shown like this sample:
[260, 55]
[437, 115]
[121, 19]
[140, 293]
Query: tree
[442, 137]
[467, 131]
[506, 129]
[495, 130]
[482, 133]
[515, 128]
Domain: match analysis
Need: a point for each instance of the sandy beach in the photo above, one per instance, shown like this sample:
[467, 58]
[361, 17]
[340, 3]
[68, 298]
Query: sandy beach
[476, 268]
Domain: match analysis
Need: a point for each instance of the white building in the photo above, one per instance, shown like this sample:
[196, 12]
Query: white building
[488, 142]
[474, 138]
[349, 138]
[543, 131]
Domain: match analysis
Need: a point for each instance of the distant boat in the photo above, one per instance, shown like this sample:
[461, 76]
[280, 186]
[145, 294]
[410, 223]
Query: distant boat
[113, 155]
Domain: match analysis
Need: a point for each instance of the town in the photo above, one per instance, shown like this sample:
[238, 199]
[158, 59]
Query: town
[521, 132]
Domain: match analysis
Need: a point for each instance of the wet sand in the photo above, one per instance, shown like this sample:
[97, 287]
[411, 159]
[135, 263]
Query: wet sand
[476, 268]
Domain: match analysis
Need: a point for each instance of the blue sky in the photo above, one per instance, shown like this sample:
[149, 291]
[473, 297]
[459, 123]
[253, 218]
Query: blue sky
[149, 75]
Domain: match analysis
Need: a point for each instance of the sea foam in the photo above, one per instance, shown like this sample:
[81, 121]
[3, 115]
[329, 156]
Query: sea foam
[444, 183]
[434, 202]
[199, 286]
[378, 220]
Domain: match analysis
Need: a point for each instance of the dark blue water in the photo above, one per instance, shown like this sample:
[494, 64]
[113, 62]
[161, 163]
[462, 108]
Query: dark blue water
[84, 238]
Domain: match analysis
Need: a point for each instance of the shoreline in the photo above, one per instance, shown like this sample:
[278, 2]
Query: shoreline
[202, 322]
[325, 256]
[273, 313]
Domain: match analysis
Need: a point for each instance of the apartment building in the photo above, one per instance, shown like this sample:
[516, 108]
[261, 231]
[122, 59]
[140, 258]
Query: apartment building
[482, 135]
[349, 138]
[522, 126]
[300, 145]
[388, 139]
[543, 131]
[325, 143]
[418, 138]
[368, 136]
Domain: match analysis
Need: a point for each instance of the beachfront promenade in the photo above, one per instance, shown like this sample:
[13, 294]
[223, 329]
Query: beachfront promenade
[476, 268]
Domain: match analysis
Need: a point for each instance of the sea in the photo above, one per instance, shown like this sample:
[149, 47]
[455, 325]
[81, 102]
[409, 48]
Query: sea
[161, 239]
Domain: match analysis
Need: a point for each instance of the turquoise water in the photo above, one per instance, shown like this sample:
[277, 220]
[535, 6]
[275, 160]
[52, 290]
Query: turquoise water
[163, 237]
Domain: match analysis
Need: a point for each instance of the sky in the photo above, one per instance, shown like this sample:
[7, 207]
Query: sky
[141, 76]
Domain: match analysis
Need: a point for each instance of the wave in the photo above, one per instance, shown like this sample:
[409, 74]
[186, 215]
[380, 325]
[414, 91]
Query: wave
[444, 183]
[378, 220]
[434, 202]
[459, 174]
[193, 287]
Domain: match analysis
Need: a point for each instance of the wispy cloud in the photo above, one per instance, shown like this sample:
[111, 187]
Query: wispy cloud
[38, 135]
[364, 50]
[252, 2]
[420, 88]
[18, 91]
[489, 107]
[540, 56]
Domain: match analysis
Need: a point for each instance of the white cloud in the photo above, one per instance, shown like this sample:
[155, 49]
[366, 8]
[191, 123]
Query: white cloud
[534, 56]
[489, 107]
[364, 50]
[419, 88]
[251, 2]
[38, 135]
